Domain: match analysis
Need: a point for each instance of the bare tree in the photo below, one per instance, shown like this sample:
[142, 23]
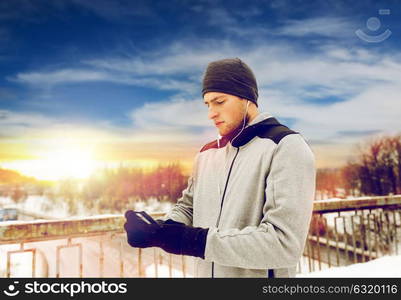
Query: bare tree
[377, 169]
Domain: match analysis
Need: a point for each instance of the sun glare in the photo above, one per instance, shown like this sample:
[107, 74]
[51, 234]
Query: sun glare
[72, 163]
[77, 163]
[65, 159]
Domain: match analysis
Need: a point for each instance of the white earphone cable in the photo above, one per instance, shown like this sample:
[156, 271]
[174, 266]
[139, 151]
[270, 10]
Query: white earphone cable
[218, 142]
[243, 122]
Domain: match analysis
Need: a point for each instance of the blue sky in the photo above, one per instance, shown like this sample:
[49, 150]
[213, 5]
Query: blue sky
[126, 75]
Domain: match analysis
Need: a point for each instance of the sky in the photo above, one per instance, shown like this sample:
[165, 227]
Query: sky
[90, 82]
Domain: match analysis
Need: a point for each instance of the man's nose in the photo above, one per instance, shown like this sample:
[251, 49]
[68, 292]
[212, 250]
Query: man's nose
[212, 114]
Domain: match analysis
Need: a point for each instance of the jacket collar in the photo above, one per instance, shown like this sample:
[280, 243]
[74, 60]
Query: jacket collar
[238, 138]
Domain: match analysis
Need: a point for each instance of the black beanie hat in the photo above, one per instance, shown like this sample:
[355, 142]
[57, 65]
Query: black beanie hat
[231, 76]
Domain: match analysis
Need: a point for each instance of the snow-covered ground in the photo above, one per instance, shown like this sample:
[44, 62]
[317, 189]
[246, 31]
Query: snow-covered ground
[38, 204]
[386, 266]
[43, 206]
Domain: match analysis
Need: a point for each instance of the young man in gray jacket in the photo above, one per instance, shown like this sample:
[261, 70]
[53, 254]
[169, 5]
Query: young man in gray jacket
[248, 203]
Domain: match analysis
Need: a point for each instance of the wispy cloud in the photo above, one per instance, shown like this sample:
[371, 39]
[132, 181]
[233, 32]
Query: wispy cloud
[48, 79]
[40, 134]
[334, 93]
[289, 80]
[21, 120]
[332, 27]
[175, 114]
[180, 57]
[328, 66]
[374, 109]
[59, 76]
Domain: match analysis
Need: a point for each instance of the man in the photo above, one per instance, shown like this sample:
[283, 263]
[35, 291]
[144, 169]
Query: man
[248, 204]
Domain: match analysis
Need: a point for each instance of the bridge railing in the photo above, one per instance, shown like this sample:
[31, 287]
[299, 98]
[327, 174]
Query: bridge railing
[342, 232]
[80, 247]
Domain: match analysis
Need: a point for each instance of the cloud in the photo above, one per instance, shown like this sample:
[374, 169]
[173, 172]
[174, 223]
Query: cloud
[293, 84]
[179, 68]
[181, 63]
[180, 57]
[330, 90]
[358, 133]
[26, 135]
[59, 76]
[343, 122]
[332, 27]
[335, 69]
[177, 113]
[373, 110]
[21, 122]
[313, 71]
[48, 79]
[287, 65]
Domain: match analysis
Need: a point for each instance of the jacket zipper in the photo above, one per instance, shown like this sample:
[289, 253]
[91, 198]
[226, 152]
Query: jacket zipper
[222, 199]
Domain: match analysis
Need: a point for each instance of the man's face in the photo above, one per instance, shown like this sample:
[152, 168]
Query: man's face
[226, 111]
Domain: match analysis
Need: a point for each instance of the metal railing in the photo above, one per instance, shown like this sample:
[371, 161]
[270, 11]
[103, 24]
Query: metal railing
[99, 244]
[342, 232]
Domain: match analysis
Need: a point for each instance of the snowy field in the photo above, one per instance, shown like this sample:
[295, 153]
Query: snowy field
[45, 207]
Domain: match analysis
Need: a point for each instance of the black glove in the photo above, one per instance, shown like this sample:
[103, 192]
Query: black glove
[173, 237]
[168, 221]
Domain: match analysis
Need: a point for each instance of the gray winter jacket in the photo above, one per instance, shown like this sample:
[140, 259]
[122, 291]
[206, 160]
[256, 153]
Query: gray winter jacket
[255, 194]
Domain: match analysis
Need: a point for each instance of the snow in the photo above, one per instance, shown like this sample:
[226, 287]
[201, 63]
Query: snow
[386, 266]
[46, 208]
[162, 272]
[38, 204]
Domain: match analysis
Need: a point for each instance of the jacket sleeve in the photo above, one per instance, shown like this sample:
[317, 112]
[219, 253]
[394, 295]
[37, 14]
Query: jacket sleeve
[279, 239]
[182, 211]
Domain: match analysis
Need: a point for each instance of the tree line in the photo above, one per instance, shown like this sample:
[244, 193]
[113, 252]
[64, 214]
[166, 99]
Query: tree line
[376, 171]
[107, 190]
[114, 190]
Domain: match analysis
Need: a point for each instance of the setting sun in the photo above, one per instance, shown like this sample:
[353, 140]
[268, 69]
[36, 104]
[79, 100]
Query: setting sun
[75, 163]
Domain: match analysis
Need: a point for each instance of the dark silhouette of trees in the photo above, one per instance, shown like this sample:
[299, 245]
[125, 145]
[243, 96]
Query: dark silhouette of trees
[165, 183]
[327, 182]
[350, 179]
[376, 171]
[378, 167]
[12, 185]
[13, 177]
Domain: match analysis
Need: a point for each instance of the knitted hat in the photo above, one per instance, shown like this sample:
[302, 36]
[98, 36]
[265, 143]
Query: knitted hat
[231, 76]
